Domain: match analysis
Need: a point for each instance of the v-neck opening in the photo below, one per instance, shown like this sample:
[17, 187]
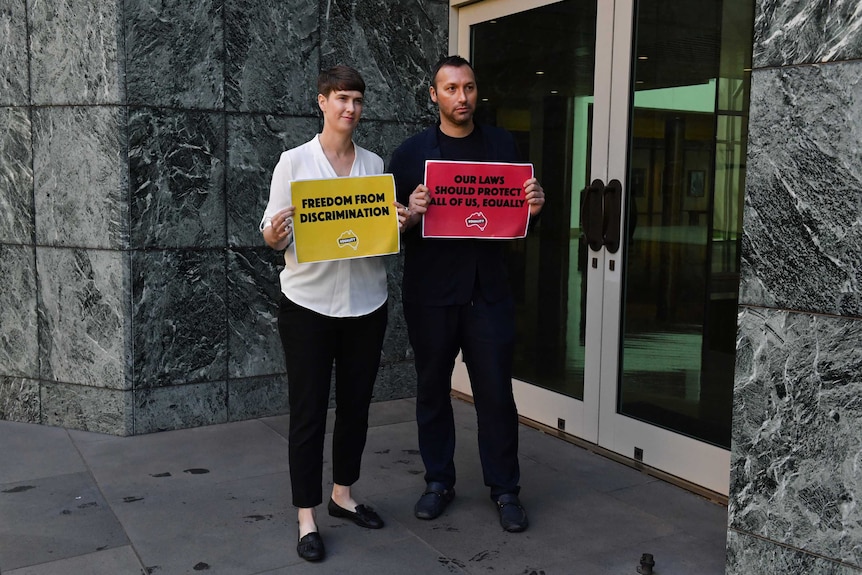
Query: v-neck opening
[329, 164]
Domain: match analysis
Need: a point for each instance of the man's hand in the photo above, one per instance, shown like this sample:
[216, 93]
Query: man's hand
[417, 205]
[535, 195]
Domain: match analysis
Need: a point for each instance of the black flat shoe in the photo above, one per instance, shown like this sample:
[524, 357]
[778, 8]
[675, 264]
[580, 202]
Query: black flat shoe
[311, 547]
[434, 501]
[513, 517]
[363, 516]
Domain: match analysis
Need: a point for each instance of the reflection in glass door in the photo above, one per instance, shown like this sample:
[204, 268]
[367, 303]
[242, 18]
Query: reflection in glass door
[686, 157]
[543, 93]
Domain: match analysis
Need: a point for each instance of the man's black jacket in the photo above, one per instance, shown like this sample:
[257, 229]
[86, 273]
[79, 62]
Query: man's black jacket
[437, 271]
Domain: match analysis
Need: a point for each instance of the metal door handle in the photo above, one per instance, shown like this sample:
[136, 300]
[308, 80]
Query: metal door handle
[591, 214]
[613, 193]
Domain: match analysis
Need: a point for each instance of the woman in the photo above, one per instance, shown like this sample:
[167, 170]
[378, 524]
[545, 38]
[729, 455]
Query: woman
[328, 311]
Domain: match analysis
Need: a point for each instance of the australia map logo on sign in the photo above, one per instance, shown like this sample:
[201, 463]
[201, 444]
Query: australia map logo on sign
[348, 239]
[477, 220]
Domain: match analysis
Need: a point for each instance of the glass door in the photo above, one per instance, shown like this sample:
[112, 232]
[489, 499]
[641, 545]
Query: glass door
[634, 115]
[671, 402]
[536, 70]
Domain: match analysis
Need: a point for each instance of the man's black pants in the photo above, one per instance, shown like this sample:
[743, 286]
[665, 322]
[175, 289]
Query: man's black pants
[485, 332]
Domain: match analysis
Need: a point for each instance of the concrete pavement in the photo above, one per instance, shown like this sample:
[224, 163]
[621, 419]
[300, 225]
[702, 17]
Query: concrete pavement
[216, 500]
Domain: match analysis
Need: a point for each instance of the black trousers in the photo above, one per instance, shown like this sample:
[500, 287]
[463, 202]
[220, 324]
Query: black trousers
[485, 332]
[312, 342]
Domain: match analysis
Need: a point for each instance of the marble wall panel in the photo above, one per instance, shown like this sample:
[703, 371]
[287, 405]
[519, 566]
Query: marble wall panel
[16, 176]
[87, 408]
[796, 446]
[272, 56]
[19, 344]
[253, 294]
[747, 555]
[84, 312]
[383, 137]
[394, 45]
[179, 407]
[175, 53]
[14, 69]
[802, 231]
[790, 32]
[177, 178]
[257, 397]
[395, 381]
[19, 400]
[255, 143]
[76, 52]
[179, 317]
[396, 346]
[80, 177]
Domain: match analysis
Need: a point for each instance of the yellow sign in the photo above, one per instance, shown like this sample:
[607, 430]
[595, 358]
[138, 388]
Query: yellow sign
[344, 218]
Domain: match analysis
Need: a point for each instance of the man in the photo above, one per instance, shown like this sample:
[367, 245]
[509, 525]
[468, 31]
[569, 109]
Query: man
[456, 296]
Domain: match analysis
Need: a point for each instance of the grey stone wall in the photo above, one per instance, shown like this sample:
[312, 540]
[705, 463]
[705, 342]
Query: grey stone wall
[796, 467]
[137, 140]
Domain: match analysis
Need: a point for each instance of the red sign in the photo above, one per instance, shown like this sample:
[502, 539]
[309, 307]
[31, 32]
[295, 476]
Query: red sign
[476, 200]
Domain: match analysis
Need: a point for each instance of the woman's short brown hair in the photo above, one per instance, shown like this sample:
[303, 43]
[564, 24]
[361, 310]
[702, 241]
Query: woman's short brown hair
[339, 78]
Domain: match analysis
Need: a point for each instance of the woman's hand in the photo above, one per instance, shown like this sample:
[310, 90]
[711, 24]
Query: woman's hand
[279, 233]
[403, 215]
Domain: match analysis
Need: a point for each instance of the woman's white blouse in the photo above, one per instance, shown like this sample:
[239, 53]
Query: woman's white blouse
[343, 288]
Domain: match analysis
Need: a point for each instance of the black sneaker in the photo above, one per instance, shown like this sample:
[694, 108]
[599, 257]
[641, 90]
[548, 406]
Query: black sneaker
[434, 501]
[513, 518]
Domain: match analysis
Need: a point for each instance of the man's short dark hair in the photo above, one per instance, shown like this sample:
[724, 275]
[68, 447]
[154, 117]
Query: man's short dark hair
[339, 78]
[454, 61]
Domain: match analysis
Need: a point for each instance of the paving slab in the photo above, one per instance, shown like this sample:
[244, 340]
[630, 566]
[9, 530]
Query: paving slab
[32, 451]
[233, 527]
[409, 556]
[676, 554]
[53, 518]
[197, 456]
[117, 561]
[687, 512]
